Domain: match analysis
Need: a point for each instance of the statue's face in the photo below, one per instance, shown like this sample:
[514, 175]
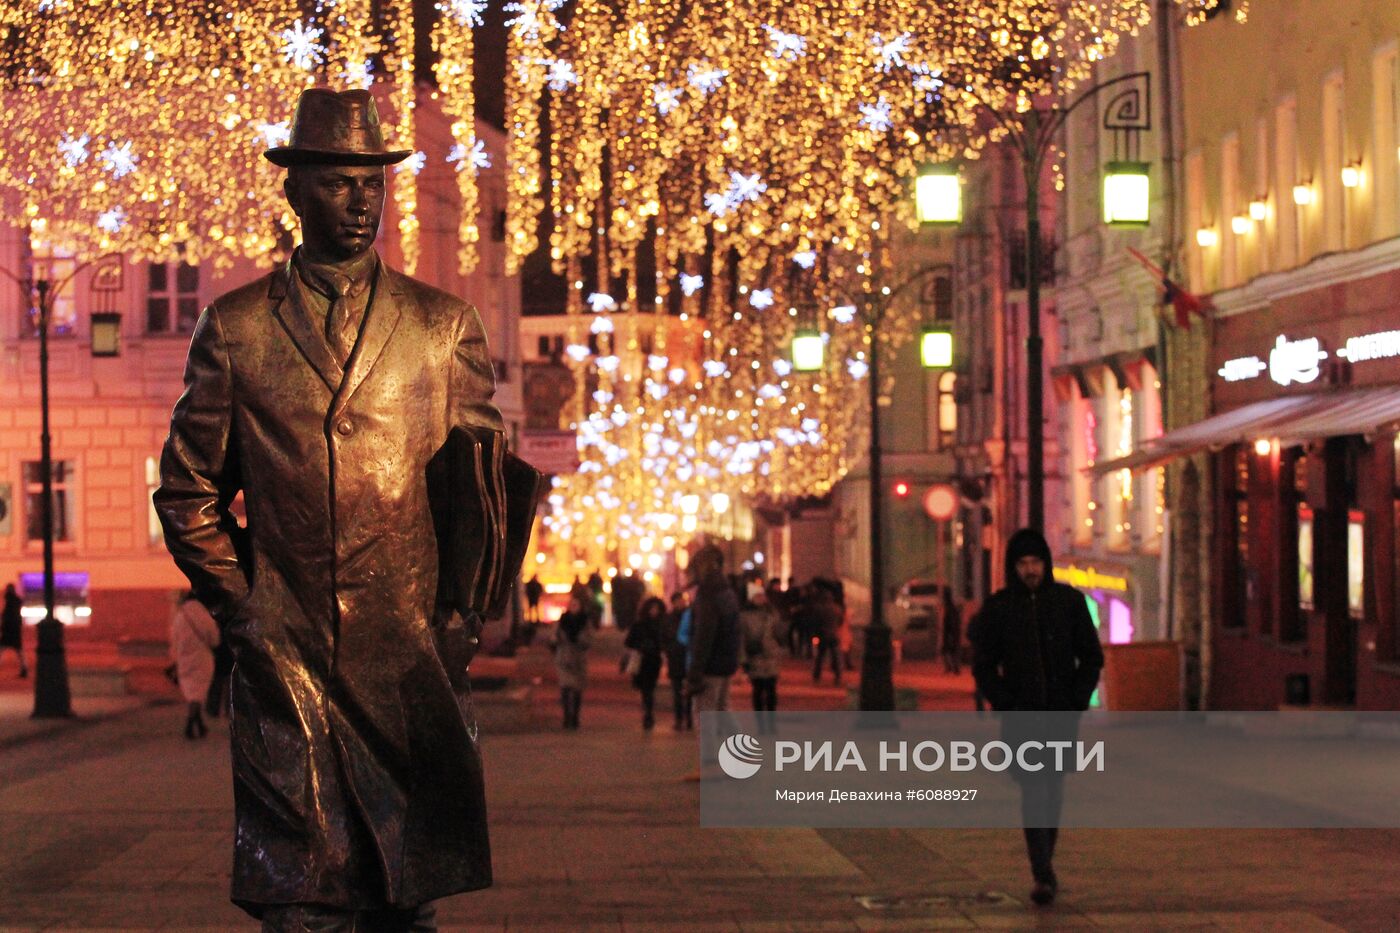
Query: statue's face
[339, 206]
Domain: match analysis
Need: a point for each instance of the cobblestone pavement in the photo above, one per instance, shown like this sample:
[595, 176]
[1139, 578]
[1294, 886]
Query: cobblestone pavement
[118, 823]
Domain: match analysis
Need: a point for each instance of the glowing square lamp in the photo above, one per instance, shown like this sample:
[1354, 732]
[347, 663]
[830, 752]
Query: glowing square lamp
[807, 350]
[936, 349]
[1126, 194]
[938, 195]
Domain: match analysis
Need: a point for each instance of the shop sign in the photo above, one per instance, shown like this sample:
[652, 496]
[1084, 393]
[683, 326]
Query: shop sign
[1296, 360]
[1242, 368]
[1300, 361]
[1087, 578]
[1371, 346]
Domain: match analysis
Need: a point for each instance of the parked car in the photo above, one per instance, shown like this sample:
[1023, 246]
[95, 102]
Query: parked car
[916, 606]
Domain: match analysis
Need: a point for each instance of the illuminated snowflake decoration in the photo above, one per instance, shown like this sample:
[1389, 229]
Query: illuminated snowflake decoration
[705, 79]
[119, 159]
[929, 81]
[360, 73]
[714, 368]
[786, 45]
[300, 46]
[665, 98]
[877, 116]
[465, 12]
[741, 188]
[690, 284]
[476, 157]
[74, 151]
[112, 221]
[577, 352]
[601, 325]
[891, 51]
[843, 314]
[609, 364]
[275, 134]
[782, 367]
[761, 298]
[561, 75]
[857, 368]
[527, 19]
[806, 258]
[413, 163]
[601, 301]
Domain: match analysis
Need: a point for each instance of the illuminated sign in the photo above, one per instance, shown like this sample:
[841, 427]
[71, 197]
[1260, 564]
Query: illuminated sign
[1372, 346]
[1241, 368]
[1087, 578]
[1296, 360]
[1300, 361]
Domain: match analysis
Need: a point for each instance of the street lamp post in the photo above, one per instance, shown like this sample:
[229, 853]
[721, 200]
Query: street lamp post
[52, 698]
[877, 657]
[1033, 134]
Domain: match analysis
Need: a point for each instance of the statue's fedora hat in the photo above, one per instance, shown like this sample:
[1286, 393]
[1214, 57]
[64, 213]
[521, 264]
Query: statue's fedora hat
[335, 128]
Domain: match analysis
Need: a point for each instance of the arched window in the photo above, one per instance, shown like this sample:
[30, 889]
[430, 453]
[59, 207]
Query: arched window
[947, 408]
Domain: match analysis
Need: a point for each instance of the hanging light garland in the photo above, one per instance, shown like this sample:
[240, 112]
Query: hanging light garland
[137, 126]
[756, 161]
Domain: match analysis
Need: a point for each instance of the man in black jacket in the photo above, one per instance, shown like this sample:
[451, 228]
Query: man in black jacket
[714, 632]
[1036, 649]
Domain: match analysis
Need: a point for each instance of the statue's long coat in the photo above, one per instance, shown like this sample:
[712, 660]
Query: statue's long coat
[357, 777]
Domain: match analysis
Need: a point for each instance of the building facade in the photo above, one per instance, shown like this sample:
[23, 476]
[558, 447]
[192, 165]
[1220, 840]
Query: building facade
[1291, 210]
[1109, 377]
[110, 414]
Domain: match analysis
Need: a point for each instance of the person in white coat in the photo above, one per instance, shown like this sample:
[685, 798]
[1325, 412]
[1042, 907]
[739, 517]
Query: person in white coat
[193, 637]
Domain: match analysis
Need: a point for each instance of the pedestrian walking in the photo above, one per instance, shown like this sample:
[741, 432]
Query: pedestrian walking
[760, 657]
[827, 616]
[216, 702]
[193, 637]
[12, 628]
[952, 634]
[1036, 649]
[570, 646]
[628, 591]
[646, 638]
[677, 642]
[714, 636]
[534, 589]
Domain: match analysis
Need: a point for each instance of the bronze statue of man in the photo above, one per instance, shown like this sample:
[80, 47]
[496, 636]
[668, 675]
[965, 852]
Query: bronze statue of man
[321, 392]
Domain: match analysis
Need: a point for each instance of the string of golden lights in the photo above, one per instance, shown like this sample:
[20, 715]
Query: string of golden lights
[757, 155]
[138, 127]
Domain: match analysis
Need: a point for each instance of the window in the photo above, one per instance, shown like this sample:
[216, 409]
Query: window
[947, 406]
[1294, 504]
[51, 264]
[937, 299]
[34, 501]
[172, 298]
[155, 535]
[1237, 588]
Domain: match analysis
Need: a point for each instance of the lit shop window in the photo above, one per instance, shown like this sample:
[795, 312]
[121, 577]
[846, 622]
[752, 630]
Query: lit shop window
[34, 501]
[1086, 455]
[154, 534]
[1120, 483]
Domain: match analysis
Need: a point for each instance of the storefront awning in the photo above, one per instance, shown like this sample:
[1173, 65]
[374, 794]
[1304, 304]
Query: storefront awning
[1292, 420]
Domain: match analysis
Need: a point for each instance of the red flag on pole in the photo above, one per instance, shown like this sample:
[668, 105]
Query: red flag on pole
[1183, 302]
